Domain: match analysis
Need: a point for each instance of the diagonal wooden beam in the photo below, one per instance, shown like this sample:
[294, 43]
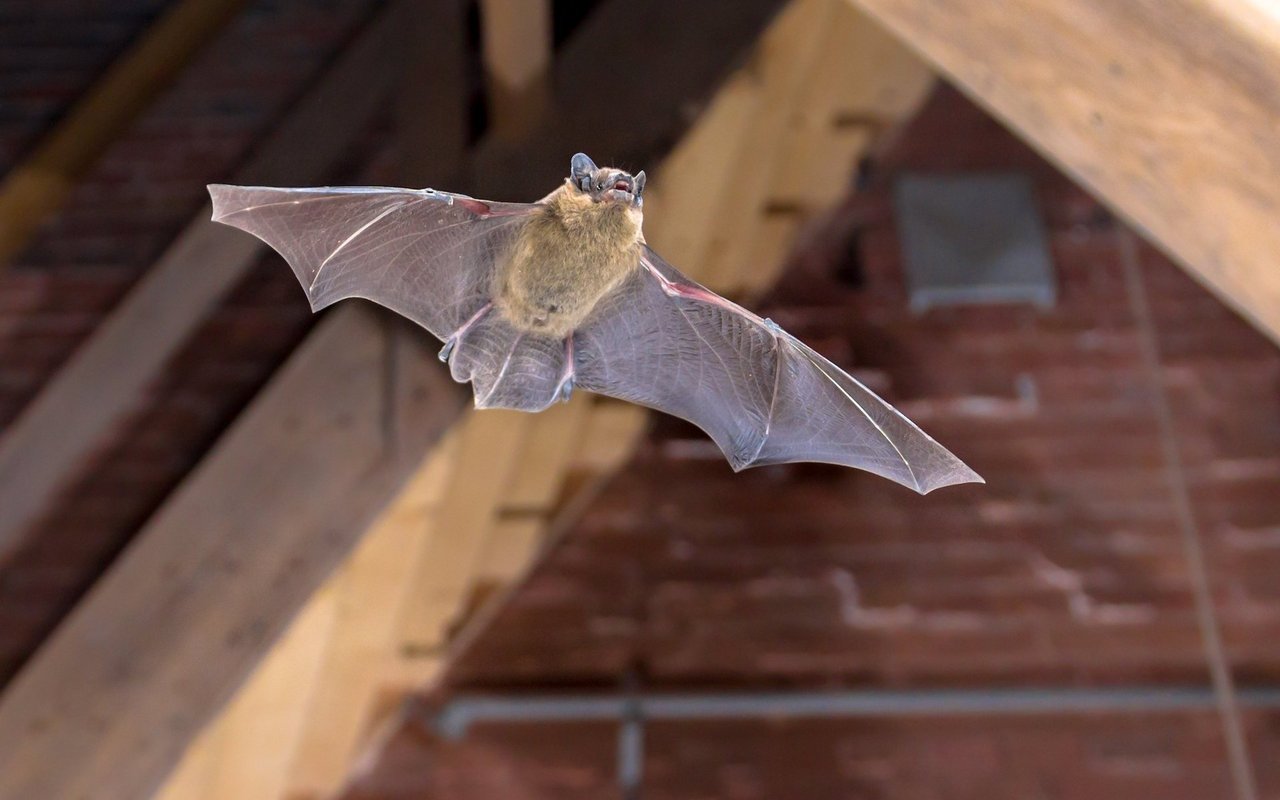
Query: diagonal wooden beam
[1166, 109]
[516, 50]
[228, 561]
[126, 680]
[41, 451]
[37, 187]
[628, 79]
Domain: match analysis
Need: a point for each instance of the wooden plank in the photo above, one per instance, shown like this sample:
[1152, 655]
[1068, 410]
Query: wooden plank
[491, 444]
[245, 759]
[42, 449]
[433, 115]
[36, 188]
[783, 64]
[210, 582]
[516, 48]
[366, 663]
[852, 93]
[371, 588]
[599, 74]
[549, 446]
[677, 222]
[337, 707]
[1166, 109]
[859, 73]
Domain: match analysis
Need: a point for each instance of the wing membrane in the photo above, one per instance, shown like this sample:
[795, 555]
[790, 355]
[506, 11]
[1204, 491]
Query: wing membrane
[666, 342]
[426, 254]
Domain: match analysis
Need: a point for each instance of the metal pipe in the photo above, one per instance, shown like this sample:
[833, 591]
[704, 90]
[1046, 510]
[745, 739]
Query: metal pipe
[460, 713]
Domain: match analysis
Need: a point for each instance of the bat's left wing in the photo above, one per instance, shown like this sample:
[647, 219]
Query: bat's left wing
[427, 254]
[666, 342]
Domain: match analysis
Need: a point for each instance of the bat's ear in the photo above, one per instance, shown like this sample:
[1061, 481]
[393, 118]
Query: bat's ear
[581, 167]
[639, 179]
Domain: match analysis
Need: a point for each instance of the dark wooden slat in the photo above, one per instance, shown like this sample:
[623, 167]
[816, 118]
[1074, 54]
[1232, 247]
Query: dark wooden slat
[37, 187]
[42, 450]
[628, 83]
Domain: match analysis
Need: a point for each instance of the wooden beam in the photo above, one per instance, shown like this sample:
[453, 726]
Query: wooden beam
[374, 653]
[433, 114]
[133, 673]
[1166, 109]
[41, 451]
[180, 619]
[516, 49]
[36, 188]
[335, 688]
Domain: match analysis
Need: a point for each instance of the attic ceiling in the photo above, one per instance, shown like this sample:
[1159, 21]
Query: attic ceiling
[1066, 570]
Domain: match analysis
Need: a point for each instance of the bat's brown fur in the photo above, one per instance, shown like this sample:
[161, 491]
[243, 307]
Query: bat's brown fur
[571, 253]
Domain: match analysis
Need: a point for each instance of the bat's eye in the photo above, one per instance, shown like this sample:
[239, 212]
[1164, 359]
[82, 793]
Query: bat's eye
[599, 186]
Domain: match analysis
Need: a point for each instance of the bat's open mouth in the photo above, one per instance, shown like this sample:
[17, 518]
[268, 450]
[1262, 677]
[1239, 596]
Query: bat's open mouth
[621, 188]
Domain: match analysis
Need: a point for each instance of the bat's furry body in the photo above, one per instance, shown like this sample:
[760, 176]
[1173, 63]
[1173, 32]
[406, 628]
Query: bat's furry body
[572, 252]
[534, 300]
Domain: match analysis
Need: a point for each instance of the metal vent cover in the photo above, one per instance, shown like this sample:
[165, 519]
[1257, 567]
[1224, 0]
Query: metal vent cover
[975, 238]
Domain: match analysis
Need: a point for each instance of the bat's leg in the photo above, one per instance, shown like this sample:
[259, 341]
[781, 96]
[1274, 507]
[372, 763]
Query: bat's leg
[565, 389]
[457, 335]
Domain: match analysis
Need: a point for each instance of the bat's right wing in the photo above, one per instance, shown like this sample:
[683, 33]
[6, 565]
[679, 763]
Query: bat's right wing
[666, 342]
[426, 254]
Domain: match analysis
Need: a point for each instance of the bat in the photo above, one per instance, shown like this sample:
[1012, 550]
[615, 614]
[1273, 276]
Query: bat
[535, 300]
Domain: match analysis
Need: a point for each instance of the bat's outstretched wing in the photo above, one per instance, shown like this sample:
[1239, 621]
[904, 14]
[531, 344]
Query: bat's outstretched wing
[426, 254]
[666, 342]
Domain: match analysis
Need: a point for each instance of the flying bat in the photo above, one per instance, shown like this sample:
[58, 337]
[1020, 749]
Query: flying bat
[535, 300]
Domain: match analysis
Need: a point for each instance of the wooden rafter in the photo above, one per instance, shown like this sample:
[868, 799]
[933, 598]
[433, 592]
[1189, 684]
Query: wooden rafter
[516, 44]
[229, 560]
[1167, 109]
[37, 187]
[452, 545]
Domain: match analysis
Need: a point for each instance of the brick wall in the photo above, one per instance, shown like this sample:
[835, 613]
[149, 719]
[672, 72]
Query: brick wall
[1065, 569]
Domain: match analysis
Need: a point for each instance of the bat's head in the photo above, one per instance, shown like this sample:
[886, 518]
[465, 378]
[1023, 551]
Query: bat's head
[605, 184]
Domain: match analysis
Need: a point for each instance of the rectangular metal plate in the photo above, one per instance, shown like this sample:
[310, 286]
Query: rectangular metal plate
[973, 239]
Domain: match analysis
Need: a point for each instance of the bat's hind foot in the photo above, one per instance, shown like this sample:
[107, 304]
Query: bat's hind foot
[452, 342]
[565, 390]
